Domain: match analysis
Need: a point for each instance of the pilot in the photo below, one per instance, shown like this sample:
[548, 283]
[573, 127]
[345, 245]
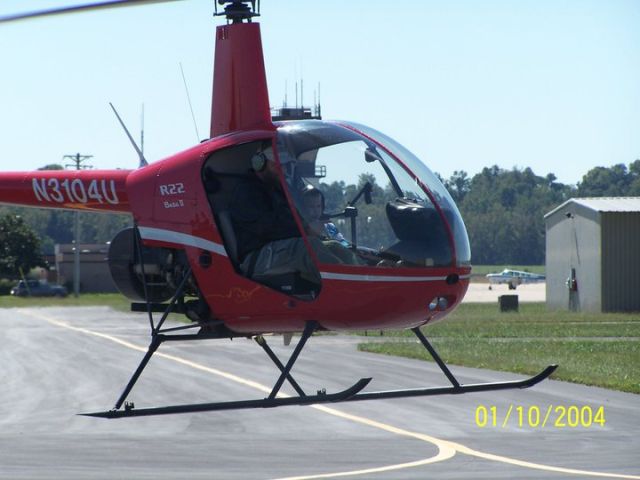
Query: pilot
[325, 238]
[267, 236]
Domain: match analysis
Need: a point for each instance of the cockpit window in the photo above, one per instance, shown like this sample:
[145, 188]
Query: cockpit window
[435, 186]
[359, 205]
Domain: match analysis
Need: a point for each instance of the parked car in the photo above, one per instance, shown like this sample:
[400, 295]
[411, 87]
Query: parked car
[34, 288]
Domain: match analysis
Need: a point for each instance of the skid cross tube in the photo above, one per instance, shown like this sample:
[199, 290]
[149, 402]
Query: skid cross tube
[263, 343]
[436, 357]
[156, 338]
[308, 331]
[155, 343]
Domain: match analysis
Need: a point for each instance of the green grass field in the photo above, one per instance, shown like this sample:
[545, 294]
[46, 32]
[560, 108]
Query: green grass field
[592, 349]
[114, 300]
[484, 269]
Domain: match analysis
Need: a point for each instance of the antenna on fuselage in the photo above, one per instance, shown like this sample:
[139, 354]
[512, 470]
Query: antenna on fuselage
[186, 89]
[142, 131]
[143, 161]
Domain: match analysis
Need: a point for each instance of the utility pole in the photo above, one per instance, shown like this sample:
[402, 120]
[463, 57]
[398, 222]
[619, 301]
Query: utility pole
[78, 161]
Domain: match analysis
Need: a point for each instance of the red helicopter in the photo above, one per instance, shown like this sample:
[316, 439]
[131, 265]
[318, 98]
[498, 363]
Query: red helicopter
[201, 244]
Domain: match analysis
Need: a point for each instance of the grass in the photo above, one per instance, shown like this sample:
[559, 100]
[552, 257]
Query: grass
[481, 320]
[484, 269]
[592, 349]
[114, 300]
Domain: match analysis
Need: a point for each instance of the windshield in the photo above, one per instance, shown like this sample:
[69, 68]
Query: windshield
[435, 186]
[360, 205]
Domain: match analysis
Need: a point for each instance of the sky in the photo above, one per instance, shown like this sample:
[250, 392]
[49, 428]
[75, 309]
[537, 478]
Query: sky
[553, 85]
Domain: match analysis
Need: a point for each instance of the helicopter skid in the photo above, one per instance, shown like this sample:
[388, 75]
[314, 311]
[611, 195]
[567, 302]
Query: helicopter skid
[320, 397]
[348, 395]
[460, 389]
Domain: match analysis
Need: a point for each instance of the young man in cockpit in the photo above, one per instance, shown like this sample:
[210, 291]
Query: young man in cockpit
[325, 238]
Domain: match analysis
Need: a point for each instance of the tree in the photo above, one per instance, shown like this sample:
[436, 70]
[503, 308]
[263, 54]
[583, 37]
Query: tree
[52, 166]
[634, 182]
[605, 182]
[56, 226]
[333, 196]
[458, 185]
[503, 211]
[19, 247]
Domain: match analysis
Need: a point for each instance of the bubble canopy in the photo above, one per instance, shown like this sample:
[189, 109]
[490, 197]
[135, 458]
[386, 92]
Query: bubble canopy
[365, 200]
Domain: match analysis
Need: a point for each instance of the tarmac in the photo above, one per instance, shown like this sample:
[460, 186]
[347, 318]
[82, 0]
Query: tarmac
[479, 292]
[58, 362]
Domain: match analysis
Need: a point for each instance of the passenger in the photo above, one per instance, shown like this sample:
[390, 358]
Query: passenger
[314, 208]
[325, 238]
[267, 236]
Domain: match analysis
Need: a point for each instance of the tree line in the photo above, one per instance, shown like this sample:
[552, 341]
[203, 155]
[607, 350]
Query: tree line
[502, 209]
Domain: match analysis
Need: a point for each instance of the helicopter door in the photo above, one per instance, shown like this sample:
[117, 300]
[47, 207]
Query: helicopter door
[256, 223]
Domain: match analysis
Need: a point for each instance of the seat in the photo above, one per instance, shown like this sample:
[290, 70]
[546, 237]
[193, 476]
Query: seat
[228, 235]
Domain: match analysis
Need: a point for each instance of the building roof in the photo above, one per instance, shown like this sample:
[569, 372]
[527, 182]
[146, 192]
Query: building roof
[604, 204]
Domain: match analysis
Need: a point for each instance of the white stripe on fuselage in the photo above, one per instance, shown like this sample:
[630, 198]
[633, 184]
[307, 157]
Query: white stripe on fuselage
[381, 278]
[162, 235]
[171, 236]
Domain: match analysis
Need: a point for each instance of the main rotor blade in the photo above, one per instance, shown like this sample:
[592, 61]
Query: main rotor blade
[79, 8]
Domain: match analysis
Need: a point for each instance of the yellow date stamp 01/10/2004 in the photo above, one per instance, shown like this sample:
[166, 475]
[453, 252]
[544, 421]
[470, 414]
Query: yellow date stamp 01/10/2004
[534, 416]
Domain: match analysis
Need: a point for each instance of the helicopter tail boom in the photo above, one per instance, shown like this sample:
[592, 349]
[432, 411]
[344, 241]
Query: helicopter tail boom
[97, 190]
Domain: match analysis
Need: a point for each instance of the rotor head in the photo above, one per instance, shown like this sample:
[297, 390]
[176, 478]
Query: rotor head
[238, 11]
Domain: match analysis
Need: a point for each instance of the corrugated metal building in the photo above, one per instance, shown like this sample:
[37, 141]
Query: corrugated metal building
[593, 255]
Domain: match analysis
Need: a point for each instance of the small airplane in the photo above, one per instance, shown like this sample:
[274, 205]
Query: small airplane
[513, 278]
[406, 262]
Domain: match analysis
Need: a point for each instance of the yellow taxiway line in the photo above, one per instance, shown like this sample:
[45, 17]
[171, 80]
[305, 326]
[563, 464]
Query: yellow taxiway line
[446, 449]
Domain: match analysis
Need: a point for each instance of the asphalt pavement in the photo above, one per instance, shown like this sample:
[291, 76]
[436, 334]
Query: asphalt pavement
[58, 362]
[479, 292]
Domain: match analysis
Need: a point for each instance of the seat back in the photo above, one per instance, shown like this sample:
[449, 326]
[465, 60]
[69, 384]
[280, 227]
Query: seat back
[228, 235]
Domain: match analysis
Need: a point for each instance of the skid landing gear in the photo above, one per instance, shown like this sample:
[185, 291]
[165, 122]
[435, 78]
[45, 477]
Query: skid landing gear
[212, 329]
[271, 401]
[353, 393]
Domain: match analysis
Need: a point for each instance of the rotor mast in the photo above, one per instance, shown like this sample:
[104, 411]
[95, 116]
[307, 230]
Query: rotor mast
[240, 96]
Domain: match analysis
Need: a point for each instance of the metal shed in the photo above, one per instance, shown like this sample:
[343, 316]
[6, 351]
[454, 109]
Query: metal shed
[593, 255]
